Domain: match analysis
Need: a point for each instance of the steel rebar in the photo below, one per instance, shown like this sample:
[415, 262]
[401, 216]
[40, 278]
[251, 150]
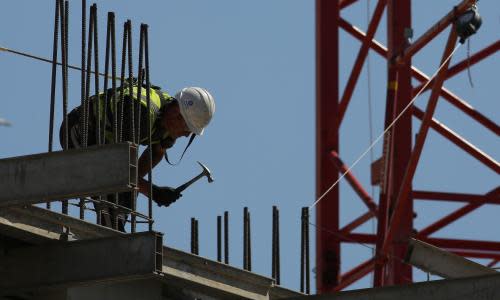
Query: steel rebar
[245, 238]
[226, 237]
[53, 79]
[96, 79]
[192, 236]
[196, 237]
[82, 85]
[304, 253]
[219, 238]
[307, 267]
[249, 244]
[84, 109]
[275, 246]
[64, 46]
[122, 80]
[278, 259]
[148, 120]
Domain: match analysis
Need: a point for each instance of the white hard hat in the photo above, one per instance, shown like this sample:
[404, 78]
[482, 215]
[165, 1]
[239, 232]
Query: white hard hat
[197, 107]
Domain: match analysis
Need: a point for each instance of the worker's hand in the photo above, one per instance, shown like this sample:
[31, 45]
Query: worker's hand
[164, 196]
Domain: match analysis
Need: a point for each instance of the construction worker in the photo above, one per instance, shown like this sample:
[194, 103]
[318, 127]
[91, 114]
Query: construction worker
[188, 113]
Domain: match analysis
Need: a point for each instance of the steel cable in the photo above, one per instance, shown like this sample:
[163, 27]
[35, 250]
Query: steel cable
[36, 57]
[386, 130]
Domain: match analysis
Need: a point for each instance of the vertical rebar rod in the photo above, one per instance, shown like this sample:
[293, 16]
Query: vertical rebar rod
[83, 70]
[64, 50]
[85, 107]
[65, 87]
[140, 77]
[305, 285]
[131, 82]
[273, 251]
[138, 102]
[114, 220]
[306, 244]
[148, 120]
[133, 224]
[96, 79]
[249, 243]
[245, 238]
[122, 82]
[82, 85]
[106, 74]
[275, 246]
[84, 113]
[196, 244]
[302, 252]
[226, 237]
[192, 236]
[113, 92]
[195, 237]
[97, 103]
[53, 79]
[219, 238]
[113, 79]
[278, 272]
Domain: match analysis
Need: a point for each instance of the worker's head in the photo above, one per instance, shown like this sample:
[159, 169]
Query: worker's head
[191, 113]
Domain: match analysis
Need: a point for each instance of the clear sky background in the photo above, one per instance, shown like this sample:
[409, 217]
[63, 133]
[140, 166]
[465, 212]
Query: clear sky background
[258, 59]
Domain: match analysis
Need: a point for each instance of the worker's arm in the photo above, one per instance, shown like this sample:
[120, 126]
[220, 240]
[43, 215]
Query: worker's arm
[143, 168]
[163, 196]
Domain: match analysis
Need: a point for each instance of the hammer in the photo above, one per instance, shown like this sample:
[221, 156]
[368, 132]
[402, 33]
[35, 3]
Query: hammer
[204, 172]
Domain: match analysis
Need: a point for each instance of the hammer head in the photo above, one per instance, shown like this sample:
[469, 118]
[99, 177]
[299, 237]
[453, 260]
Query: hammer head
[206, 172]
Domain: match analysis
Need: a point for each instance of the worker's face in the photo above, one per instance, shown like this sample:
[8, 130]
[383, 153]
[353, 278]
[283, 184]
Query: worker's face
[174, 122]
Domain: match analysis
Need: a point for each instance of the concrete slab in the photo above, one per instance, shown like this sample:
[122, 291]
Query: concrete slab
[473, 288]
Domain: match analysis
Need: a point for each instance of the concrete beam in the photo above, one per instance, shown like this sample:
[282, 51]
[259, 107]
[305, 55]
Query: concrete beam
[37, 225]
[432, 259]
[212, 278]
[68, 174]
[69, 263]
[279, 292]
[472, 288]
[181, 271]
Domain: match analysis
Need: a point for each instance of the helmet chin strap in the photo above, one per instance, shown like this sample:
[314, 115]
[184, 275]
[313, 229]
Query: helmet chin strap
[191, 138]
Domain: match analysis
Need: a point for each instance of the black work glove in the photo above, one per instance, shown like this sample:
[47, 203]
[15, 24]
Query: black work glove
[164, 196]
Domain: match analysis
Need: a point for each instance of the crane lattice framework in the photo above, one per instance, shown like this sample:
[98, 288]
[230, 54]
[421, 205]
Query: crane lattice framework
[394, 210]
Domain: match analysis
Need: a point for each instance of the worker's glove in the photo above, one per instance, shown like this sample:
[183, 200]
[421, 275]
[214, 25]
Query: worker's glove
[164, 196]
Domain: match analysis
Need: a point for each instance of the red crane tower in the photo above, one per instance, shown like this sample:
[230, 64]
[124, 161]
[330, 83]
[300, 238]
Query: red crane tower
[396, 169]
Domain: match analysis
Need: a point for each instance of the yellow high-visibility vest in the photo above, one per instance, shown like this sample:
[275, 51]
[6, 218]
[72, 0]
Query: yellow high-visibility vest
[158, 100]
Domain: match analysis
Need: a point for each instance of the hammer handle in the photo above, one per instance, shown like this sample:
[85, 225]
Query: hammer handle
[185, 185]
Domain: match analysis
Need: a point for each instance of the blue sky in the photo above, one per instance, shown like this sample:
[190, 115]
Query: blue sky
[257, 58]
